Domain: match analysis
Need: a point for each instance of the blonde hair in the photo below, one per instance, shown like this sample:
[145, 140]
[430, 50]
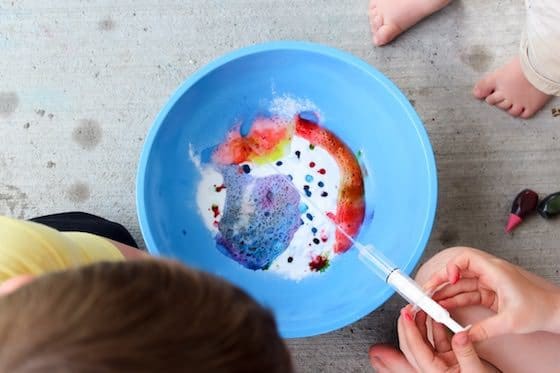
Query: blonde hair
[137, 316]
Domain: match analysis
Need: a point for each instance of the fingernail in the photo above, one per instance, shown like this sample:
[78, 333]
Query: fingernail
[375, 40]
[455, 279]
[406, 314]
[462, 338]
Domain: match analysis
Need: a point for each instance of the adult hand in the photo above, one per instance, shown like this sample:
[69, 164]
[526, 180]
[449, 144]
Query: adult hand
[523, 302]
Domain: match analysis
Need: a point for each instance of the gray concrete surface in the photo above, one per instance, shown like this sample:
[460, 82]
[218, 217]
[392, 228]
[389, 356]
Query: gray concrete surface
[81, 82]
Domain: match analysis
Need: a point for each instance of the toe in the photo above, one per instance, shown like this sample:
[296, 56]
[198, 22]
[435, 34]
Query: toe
[527, 113]
[377, 22]
[386, 33]
[516, 110]
[484, 87]
[505, 104]
[372, 27]
[494, 98]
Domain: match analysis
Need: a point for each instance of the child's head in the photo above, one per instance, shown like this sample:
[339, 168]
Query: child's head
[138, 316]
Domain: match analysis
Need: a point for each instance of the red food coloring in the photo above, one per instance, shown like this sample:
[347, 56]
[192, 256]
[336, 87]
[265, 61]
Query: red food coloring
[216, 224]
[219, 188]
[216, 210]
[324, 238]
[311, 164]
[319, 263]
[264, 137]
[322, 171]
[524, 203]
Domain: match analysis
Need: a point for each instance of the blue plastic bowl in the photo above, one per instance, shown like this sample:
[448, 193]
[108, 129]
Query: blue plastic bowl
[361, 106]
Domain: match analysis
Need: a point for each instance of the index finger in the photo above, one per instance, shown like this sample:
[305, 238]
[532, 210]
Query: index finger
[473, 261]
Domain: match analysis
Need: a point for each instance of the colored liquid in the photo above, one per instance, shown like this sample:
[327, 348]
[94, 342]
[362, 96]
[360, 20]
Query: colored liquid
[525, 203]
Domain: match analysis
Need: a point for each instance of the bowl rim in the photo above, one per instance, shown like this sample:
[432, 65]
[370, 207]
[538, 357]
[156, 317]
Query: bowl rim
[306, 330]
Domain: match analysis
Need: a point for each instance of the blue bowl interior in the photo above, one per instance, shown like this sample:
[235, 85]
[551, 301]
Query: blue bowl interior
[357, 103]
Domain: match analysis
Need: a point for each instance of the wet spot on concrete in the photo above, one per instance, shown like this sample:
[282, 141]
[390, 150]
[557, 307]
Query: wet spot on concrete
[425, 91]
[27, 125]
[51, 164]
[77, 193]
[40, 112]
[106, 25]
[477, 57]
[8, 103]
[448, 237]
[556, 112]
[13, 201]
[87, 134]
[51, 115]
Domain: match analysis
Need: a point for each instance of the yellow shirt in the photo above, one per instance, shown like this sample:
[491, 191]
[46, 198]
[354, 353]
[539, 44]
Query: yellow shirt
[31, 248]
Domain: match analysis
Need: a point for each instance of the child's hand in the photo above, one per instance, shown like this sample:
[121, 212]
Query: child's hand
[523, 302]
[448, 354]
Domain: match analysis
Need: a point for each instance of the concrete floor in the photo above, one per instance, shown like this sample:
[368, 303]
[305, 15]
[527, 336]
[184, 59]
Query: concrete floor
[81, 82]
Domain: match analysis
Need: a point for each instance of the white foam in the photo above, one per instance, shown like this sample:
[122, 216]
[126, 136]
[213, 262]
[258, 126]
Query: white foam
[206, 196]
[286, 106]
[195, 158]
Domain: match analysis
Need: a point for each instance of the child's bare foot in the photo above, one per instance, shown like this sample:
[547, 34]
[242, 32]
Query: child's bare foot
[389, 18]
[508, 89]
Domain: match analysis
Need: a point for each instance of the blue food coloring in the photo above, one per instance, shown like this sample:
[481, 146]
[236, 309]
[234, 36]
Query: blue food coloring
[255, 231]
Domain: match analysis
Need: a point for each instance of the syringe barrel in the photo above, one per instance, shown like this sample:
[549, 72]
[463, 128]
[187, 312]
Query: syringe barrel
[376, 261]
[414, 294]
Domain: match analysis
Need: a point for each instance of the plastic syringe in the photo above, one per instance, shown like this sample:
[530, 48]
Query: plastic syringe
[402, 283]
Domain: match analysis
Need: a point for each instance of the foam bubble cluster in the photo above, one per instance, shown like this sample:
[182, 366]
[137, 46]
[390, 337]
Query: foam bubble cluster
[259, 219]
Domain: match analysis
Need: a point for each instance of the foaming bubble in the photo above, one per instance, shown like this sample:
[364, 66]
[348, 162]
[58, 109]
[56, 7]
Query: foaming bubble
[265, 230]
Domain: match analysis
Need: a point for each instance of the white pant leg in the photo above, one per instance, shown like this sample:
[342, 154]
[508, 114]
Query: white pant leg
[540, 45]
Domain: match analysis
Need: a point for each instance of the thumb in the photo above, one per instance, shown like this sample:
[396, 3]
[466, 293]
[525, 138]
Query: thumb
[488, 328]
[465, 353]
